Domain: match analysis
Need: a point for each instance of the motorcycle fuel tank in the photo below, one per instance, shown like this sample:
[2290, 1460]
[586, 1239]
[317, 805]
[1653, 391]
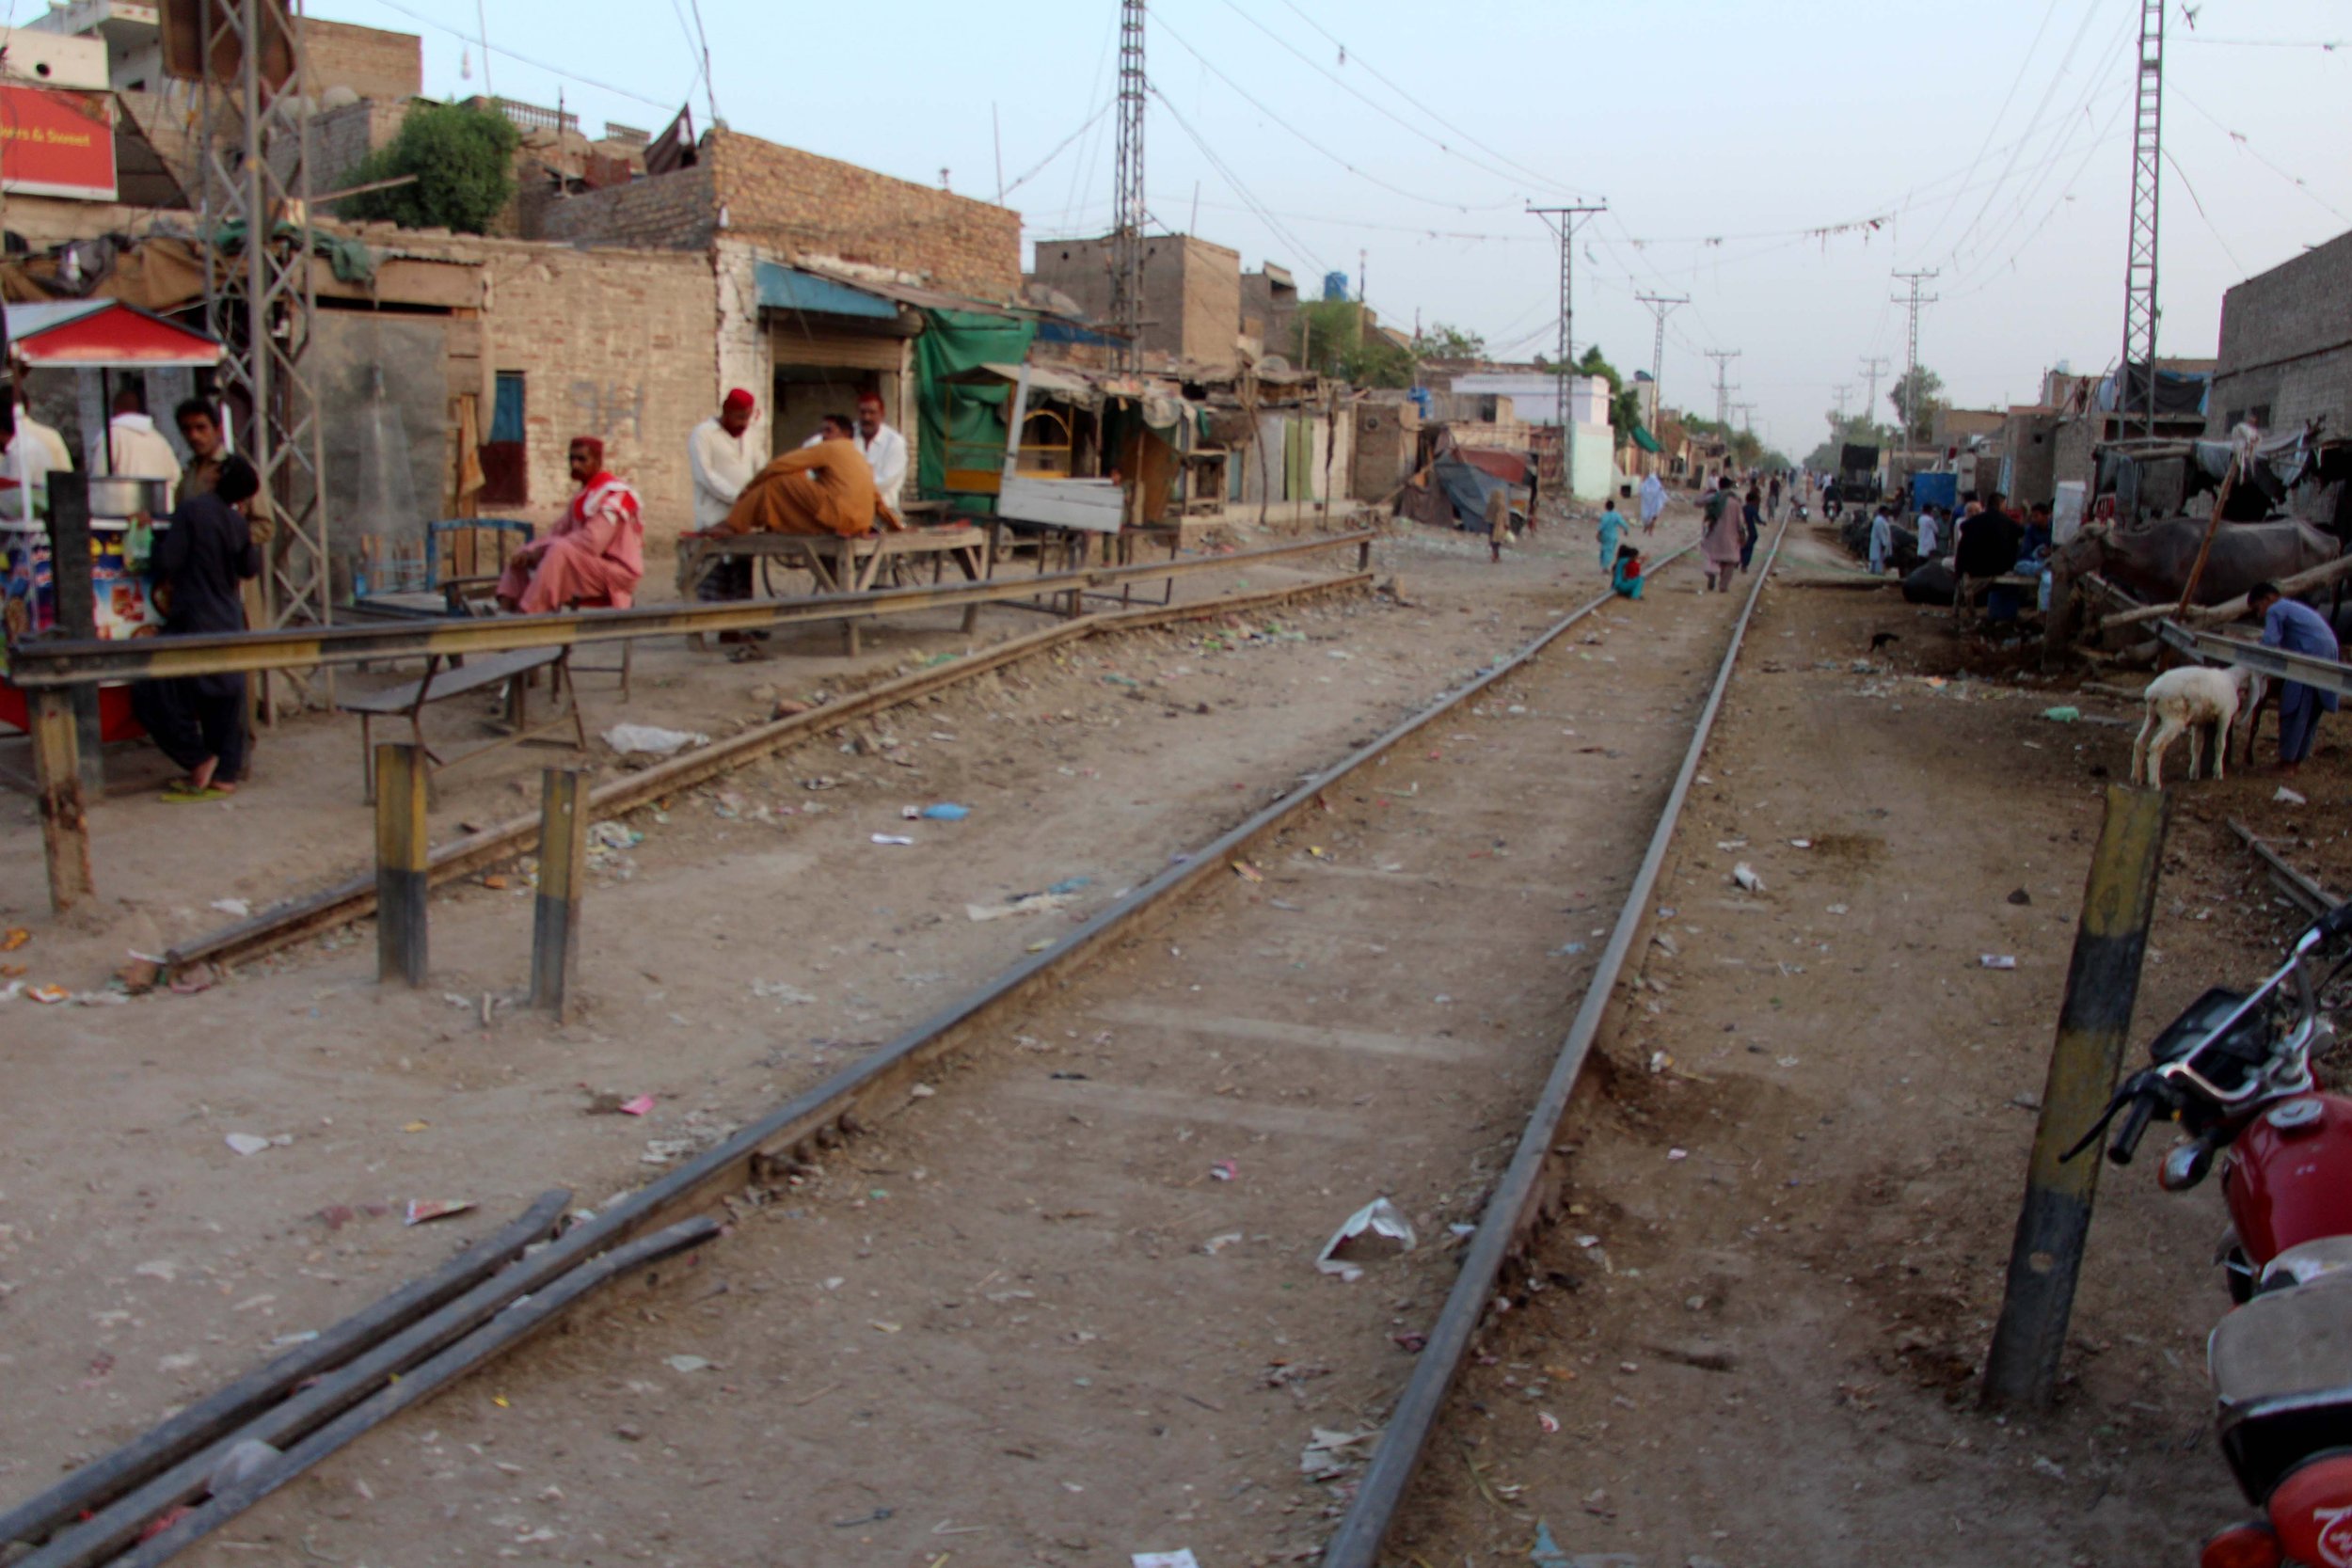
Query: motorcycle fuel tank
[2290, 1175]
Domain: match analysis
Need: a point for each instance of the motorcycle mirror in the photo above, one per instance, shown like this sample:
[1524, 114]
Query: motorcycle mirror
[2185, 1166]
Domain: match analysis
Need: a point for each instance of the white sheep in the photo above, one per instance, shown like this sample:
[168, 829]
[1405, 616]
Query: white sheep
[2188, 699]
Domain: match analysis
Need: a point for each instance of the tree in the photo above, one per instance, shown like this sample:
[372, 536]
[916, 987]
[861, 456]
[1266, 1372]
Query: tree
[1917, 402]
[464, 163]
[1625, 404]
[1858, 429]
[1444, 340]
[1334, 340]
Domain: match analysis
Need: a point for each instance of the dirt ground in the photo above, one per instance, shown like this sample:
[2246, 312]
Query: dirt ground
[753, 940]
[1796, 1175]
[1027, 1320]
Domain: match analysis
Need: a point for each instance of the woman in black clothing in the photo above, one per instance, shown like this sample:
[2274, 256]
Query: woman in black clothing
[199, 560]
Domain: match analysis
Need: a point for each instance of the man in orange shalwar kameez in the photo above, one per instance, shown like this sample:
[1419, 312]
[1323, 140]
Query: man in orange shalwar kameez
[597, 553]
[824, 488]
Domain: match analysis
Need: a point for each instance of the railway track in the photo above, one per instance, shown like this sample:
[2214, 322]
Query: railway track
[1058, 1294]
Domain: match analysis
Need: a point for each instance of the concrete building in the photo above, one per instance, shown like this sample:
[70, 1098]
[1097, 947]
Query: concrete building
[1534, 396]
[2029, 453]
[2286, 346]
[1192, 295]
[1269, 308]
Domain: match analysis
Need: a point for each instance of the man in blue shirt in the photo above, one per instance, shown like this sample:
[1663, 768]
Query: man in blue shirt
[2297, 628]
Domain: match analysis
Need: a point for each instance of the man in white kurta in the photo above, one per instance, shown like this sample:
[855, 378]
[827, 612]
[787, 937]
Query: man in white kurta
[719, 452]
[885, 449]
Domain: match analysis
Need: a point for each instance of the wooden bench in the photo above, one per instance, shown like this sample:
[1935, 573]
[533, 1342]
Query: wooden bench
[844, 565]
[441, 682]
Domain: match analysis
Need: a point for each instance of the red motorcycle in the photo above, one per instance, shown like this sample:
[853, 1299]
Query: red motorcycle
[2234, 1071]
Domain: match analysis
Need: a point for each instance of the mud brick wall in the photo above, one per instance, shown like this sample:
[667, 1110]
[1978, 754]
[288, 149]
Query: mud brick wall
[791, 201]
[370, 61]
[677, 210]
[614, 344]
[1192, 293]
[2286, 342]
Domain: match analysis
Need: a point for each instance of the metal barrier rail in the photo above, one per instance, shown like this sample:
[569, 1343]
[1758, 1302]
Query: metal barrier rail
[49, 671]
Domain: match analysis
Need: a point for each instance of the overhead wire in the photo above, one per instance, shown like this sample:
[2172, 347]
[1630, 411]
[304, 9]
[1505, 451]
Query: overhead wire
[520, 58]
[1992, 128]
[1350, 89]
[1435, 116]
[2248, 148]
[1233, 182]
[1218, 71]
[2082, 30]
[2199, 202]
[1039, 167]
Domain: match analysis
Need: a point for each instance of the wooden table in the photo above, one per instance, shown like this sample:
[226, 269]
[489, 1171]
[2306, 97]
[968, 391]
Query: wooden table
[441, 682]
[846, 566]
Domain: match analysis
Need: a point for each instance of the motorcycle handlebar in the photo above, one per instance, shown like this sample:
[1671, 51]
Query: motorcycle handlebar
[2127, 1136]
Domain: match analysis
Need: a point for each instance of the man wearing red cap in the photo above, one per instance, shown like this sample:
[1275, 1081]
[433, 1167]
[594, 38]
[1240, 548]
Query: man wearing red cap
[719, 454]
[595, 554]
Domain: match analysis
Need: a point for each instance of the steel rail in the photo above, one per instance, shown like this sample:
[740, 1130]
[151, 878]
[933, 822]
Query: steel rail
[2323, 674]
[501, 1335]
[2305, 891]
[1520, 1198]
[101, 1480]
[354, 899]
[794, 1131]
[55, 665]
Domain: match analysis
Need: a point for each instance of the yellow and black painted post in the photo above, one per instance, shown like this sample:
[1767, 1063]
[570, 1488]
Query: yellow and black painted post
[2094, 1026]
[403, 856]
[563, 869]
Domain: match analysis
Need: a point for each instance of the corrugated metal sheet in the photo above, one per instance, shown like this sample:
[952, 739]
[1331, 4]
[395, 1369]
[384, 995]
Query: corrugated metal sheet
[783, 288]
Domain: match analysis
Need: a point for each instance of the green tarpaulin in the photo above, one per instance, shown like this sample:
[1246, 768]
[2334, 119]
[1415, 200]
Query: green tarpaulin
[1644, 439]
[953, 342]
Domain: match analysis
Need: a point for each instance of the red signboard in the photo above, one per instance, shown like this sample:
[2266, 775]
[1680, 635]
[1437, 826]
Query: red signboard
[55, 143]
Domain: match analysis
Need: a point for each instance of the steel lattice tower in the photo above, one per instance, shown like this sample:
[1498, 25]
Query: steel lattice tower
[1127, 201]
[1660, 306]
[260, 301]
[1911, 353]
[2140, 269]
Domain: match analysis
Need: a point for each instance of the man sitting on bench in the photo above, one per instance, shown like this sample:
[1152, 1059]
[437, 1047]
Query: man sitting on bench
[596, 553]
[825, 488]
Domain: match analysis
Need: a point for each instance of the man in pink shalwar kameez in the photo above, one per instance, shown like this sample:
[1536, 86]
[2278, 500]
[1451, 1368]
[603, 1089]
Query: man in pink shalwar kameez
[595, 556]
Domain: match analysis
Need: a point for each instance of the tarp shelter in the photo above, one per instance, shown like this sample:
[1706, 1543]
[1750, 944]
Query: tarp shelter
[2179, 394]
[1048, 438]
[954, 342]
[1644, 439]
[1467, 486]
[103, 334]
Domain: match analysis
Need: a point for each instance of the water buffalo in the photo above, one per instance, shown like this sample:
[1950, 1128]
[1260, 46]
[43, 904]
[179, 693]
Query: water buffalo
[2153, 559]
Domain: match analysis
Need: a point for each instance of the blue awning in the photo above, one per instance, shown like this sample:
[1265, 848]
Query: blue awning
[783, 288]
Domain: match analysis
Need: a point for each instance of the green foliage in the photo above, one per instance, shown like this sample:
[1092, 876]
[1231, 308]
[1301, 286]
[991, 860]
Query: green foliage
[1625, 404]
[1333, 341]
[1444, 340]
[464, 163]
[1929, 400]
[1859, 429]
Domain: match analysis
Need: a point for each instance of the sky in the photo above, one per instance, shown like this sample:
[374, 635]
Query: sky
[1777, 172]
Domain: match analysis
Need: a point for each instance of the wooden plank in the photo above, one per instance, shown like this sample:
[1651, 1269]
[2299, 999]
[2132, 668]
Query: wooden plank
[64, 813]
[564, 812]
[403, 857]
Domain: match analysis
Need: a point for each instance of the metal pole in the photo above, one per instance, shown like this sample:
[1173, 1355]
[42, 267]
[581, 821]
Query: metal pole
[2139, 264]
[1661, 307]
[1562, 369]
[563, 870]
[77, 607]
[2094, 1021]
[403, 860]
[1910, 360]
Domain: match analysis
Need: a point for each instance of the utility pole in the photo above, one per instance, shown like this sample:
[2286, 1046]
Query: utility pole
[1660, 306]
[2139, 267]
[1747, 416]
[1844, 390]
[1874, 368]
[1127, 195]
[1561, 369]
[1911, 357]
[1723, 357]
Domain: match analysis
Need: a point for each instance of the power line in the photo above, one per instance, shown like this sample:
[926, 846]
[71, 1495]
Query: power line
[1247, 97]
[1353, 91]
[2250, 150]
[2016, 80]
[489, 48]
[1434, 116]
[2032, 125]
[1039, 167]
[1233, 182]
[2199, 202]
[2327, 45]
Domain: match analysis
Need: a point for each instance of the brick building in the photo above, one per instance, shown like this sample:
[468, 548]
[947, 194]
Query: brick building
[2286, 345]
[1269, 308]
[1192, 294]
